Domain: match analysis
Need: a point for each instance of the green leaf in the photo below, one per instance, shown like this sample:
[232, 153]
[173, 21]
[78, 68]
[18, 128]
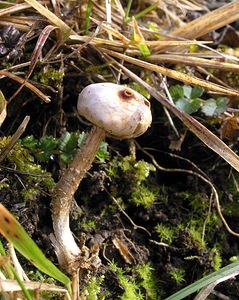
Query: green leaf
[221, 105]
[102, 153]
[29, 142]
[144, 49]
[176, 92]
[205, 281]
[214, 107]
[12, 230]
[188, 106]
[68, 144]
[81, 138]
[43, 148]
[87, 16]
[209, 108]
[187, 91]
[47, 146]
[196, 92]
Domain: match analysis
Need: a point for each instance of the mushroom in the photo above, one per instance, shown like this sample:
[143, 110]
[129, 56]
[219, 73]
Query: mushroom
[116, 111]
[119, 111]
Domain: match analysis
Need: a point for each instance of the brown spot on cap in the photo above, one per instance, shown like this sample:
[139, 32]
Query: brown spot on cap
[126, 95]
[147, 103]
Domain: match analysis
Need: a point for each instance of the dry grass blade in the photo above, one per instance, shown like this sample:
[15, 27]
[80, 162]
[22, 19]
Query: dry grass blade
[108, 28]
[36, 53]
[26, 83]
[15, 138]
[205, 135]
[209, 22]
[13, 9]
[39, 45]
[191, 80]
[18, 267]
[174, 43]
[22, 24]
[124, 42]
[52, 18]
[13, 286]
[192, 61]
[3, 108]
[189, 5]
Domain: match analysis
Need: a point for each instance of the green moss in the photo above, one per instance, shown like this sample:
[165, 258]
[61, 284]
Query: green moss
[94, 290]
[217, 259]
[143, 196]
[49, 75]
[135, 174]
[142, 285]
[178, 274]
[198, 218]
[34, 178]
[196, 234]
[197, 202]
[4, 185]
[137, 170]
[231, 208]
[166, 234]
[30, 194]
[88, 225]
[148, 281]
[131, 288]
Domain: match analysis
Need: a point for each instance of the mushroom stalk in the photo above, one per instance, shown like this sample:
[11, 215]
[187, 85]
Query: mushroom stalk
[66, 248]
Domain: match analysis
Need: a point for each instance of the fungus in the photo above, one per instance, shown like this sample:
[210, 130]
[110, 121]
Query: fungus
[115, 111]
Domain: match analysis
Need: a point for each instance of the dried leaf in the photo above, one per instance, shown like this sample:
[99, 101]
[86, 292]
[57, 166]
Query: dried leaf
[3, 108]
[230, 128]
[123, 250]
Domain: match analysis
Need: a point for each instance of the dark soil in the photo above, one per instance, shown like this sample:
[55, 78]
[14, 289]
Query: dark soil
[173, 207]
[182, 200]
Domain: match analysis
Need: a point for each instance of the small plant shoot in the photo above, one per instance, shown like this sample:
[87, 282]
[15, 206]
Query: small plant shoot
[188, 99]
[11, 229]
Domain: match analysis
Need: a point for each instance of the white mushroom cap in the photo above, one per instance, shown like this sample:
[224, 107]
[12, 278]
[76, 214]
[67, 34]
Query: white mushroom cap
[119, 110]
